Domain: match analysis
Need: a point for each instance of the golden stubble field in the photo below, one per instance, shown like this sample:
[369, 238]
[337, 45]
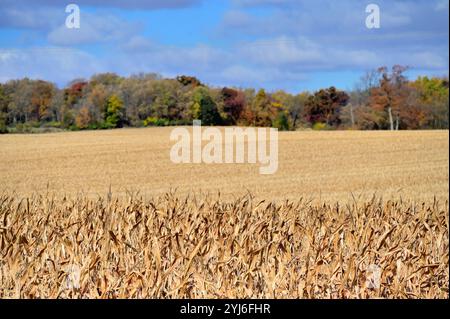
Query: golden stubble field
[323, 166]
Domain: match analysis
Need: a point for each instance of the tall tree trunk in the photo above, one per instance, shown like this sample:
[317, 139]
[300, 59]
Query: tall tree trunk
[391, 120]
[397, 122]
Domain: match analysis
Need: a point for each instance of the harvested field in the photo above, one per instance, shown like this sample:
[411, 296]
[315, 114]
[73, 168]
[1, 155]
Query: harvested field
[324, 166]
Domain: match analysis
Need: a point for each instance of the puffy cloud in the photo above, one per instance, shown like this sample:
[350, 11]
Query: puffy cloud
[340, 18]
[94, 29]
[441, 5]
[283, 51]
[51, 63]
[140, 53]
[46, 14]
[328, 34]
[139, 43]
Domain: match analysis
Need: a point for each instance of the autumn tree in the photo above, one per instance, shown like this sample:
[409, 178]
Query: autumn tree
[74, 93]
[21, 91]
[390, 97]
[281, 105]
[181, 113]
[297, 109]
[164, 103]
[189, 81]
[96, 99]
[433, 100]
[263, 110]
[41, 98]
[325, 106]
[358, 110]
[233, 104]
[67, 116]
[56, 105]
[114, 112]
[83, 118]
[108, 79]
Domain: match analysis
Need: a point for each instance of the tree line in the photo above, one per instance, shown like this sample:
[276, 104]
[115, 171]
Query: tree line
[382, 99]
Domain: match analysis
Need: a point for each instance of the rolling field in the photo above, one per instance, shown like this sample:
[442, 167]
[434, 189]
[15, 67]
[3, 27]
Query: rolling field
[347, 215]
[323, 166]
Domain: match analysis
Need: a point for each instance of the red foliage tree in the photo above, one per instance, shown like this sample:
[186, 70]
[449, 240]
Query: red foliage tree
[325, 106]
[74, 92]
[234, 104]
[391, 96]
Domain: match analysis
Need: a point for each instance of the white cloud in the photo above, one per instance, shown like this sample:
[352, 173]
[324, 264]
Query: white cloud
[51, 63]
[282, 50]
[139, 43]
[441, 5]
[426, 60]
[93, 29]
[247, 74]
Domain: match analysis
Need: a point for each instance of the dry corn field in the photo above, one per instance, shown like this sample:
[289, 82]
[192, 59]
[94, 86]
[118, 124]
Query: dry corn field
[347, 215]
[208, 248]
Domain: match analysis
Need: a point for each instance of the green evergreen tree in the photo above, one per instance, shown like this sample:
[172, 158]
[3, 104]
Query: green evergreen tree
[281, 122]
[205, 109]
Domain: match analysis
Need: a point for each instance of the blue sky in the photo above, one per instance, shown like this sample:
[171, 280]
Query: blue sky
[294, 45]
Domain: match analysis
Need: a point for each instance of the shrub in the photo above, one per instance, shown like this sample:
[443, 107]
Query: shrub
[153, 121]
[106, 126]
[180, 122]
[93, 126]
[52, 124]
[74, 128]
[34, 124]
[23, 128]
[320, 126]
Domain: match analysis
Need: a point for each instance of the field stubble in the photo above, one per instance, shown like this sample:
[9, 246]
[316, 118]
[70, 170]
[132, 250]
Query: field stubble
[323, 166]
